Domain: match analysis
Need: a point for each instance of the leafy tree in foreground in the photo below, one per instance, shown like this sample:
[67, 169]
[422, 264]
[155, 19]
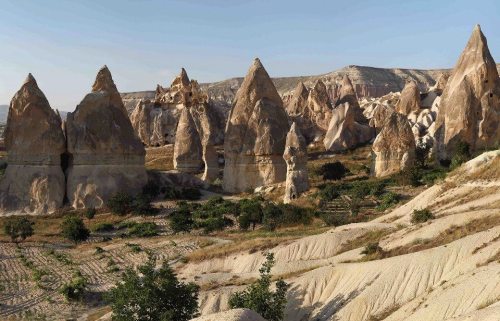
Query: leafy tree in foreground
[153, 295]
[74, 229]
[19, 229]
[259, 297]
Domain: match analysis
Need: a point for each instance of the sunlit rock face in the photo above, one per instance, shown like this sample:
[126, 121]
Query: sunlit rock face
[187, 148]
[105, 156]
[33, 182]
[344, 132]
[409, 102]
[470, 105]
[255, 134]
[394, 147]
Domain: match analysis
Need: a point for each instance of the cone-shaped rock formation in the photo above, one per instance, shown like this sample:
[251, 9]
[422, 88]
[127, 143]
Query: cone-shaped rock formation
[320, 108]
[33, 182]
[409, 102]
[470, 105]
[394, 147]
[255, 134]
[347, 94]
[105, 155]
[187, 148]
[297, 179]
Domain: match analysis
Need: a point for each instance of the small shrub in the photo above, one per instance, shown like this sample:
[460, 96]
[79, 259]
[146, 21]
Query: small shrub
[99, 250]
[272, 215]
[142, 206]
[410, 176]
[136, 248]
[182, 220]
[73, 229]
[421, 216]
[388, 200]
[329, 192]
[104, 227]
[19, 229]
[90, 213]
[75, 289]
[151, 189]
[372, 248]
[334, 219]
[120, 204]
[250, 213]
[146, 229]
[188, 193]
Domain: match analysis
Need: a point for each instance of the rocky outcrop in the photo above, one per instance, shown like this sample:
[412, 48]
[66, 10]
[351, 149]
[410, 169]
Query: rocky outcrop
[379, 117]
[344, 132]
[187, 147]
[255, 134]
[409, 102]
[154, 125]
[441, 83]
[104, 154]
[297, 105]
[320, 107]
[33, 182]
[394, 147]
[297, 179]
[470, 105]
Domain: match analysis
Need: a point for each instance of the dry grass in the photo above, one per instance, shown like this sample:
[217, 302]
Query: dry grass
[363, 240]
[254, 241]
[160, 158]
[449, 235]
[490, 172]
[384, 314]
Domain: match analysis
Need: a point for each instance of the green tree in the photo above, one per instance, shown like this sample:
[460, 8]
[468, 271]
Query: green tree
[73, 229]
[153, 295]
[120, 203]
[90, 212]
[259, 297]
[250, 213]
[272, 215]
[19, 229]
[75, 289]
[182, 220]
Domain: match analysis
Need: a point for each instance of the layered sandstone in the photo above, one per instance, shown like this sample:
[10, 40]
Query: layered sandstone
[33, 182]
[105, 156]
[297, 179]
[470, 105]
[187, 147]
[394, 147]
[255, 134]
[344, 132]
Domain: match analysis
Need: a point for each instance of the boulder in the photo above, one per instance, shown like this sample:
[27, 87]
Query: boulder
[187, 148]
[105, 156]
[297, 179]
[394, 147]
[409, 102]
[470, 105]
[34, 181]
[255, 134]
[344, 132]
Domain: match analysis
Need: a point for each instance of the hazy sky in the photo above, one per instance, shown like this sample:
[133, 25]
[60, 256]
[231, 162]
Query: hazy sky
[64, 43]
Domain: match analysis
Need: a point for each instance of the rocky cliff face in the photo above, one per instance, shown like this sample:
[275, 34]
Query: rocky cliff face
[34, 181]
[105, 156]
[470, 105]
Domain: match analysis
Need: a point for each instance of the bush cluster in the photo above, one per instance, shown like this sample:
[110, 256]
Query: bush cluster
[421, 216]
[123, 203]
[19, 229]
[75, 289]
[185, 193]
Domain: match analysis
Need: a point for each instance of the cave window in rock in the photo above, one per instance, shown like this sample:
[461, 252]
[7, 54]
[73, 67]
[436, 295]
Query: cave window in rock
[491, 95]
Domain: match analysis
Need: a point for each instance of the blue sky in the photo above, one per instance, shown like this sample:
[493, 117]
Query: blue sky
[64, 43]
